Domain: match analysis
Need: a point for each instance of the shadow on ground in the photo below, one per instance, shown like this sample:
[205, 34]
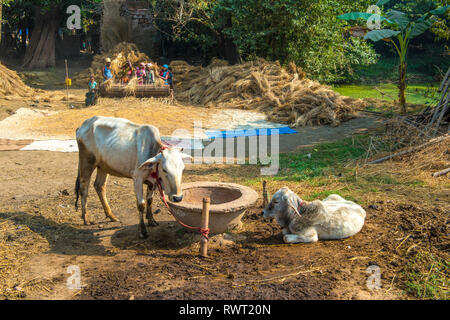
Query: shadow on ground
[62, 238]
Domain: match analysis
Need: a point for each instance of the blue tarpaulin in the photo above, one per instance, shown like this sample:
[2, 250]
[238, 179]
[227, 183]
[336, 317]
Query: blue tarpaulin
[249, 132]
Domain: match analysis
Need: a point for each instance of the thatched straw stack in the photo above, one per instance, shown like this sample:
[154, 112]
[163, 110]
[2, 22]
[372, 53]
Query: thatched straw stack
[284, 93]
[121, 53]
[11, 85]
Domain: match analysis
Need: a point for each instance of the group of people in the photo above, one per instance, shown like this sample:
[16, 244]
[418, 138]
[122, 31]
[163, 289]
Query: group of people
[145, 73]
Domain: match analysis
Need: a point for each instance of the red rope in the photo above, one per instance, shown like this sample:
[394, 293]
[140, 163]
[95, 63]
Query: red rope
[202, 231]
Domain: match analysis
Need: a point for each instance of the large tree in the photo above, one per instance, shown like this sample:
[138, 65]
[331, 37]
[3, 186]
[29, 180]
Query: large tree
[47, 17]
[41, 51]
[1, 19]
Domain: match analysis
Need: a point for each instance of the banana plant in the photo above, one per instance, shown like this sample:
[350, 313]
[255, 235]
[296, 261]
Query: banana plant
[399, 30]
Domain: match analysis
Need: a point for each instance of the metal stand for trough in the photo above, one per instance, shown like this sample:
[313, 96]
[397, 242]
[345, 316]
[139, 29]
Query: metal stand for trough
[205, 225]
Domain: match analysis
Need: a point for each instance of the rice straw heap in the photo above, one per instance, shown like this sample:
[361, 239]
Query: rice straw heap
[11, 85]
[120, 55]
[285, 94]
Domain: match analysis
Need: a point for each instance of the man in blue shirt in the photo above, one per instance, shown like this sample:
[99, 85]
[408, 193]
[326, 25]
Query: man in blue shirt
[107, 74]
[167, 75]
[168, 80]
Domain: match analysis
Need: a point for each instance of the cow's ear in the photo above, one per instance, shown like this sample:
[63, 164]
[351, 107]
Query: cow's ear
[150, 162]
[187, 157]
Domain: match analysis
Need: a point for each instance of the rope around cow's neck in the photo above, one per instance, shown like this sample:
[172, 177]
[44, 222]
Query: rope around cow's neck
[299, 208]
[155, 175]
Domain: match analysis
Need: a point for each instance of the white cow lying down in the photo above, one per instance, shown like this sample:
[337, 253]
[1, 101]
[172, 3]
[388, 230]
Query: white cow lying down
[329, 219]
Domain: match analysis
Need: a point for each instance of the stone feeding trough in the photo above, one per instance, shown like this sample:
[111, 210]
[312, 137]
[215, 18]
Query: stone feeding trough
[229, 203]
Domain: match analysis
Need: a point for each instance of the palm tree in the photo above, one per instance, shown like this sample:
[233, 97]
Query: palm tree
[399, 30]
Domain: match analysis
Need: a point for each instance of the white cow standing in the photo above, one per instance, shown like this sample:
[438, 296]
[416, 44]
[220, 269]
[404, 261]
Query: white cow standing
[329, 219]
[121, 148]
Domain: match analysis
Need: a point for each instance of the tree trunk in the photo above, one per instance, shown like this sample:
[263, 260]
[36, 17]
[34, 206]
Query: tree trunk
[228, 50]
[1, 20]
[41, 51]
[402, 87]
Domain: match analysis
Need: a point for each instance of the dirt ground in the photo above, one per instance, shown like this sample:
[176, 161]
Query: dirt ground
[41, 233]
[47, 235]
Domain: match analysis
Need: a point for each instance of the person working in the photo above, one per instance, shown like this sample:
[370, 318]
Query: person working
[140, 73]
[91, 95]
[168, 79]
[150, 74]
[167, 75]
[107, 73]
[92, 84]
[127, 72]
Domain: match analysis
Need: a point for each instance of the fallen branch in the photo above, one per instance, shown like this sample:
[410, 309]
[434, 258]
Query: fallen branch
[441, 173]
[401, 153]
[384, 93]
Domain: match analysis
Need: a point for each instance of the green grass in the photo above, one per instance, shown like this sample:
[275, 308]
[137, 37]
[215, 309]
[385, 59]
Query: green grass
[415, 93]
[325, 158]
[427, 277]
[422, 79]
[421, 69]
[318, 165]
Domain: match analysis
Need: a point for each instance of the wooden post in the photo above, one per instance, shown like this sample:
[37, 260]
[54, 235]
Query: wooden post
[265, 194]
[67, 84]
[205, 225]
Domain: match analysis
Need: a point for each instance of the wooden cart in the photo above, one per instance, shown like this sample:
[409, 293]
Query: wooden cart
[117, 90]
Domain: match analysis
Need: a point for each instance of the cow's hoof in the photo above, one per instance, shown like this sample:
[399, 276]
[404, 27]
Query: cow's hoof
[143, 235]
[153, 223]
[114, 219]
[89, 222]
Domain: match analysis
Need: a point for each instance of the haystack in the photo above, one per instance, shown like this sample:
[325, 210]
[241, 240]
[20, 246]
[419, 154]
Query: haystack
[119, 56]
[285, 94]
[11, 85]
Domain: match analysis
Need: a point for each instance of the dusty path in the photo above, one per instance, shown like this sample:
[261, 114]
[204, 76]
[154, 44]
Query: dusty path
[309, 136]
[28, 125]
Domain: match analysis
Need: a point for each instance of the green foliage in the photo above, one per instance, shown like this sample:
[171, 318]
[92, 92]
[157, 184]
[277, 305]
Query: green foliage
[377, 35]
[400, 30]
[306, 32]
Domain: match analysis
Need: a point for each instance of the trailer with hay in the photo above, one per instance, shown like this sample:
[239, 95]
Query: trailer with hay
[118, 90]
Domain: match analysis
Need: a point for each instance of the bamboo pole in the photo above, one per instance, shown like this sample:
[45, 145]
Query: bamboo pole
[205, 225]
[67, 83]
[438, 107]
[401, 153]
[441, 173]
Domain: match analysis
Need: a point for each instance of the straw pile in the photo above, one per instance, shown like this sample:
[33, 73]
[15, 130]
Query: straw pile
[119, 56]
[12, 85]
[13, 88]
[433, 158]
[285, 94]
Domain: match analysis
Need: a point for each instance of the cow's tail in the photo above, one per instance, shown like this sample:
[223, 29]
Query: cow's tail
[77, 183]
[77, 190]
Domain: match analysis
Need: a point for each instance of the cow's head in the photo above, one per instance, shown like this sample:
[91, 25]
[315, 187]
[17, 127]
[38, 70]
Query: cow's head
[170, 169]
[283, 204]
